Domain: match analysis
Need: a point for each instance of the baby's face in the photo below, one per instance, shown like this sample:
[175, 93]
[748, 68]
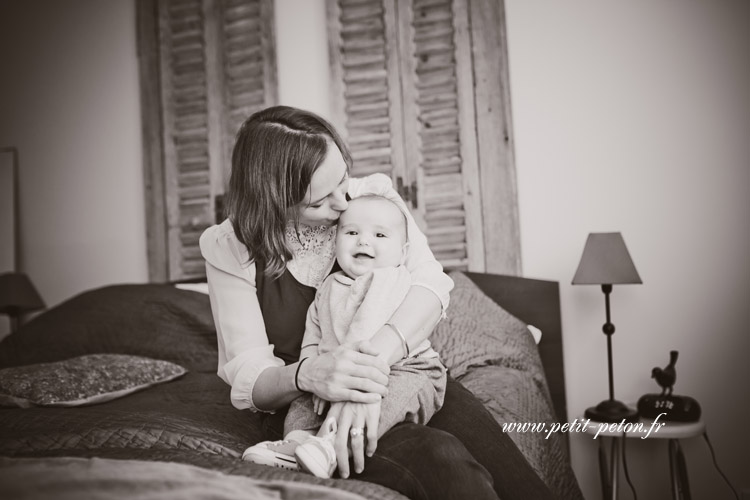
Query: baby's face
[371, 234]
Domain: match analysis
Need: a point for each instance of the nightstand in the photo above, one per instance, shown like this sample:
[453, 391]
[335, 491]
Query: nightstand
[609, 470]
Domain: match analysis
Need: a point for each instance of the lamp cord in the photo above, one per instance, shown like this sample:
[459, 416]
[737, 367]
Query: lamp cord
[625, 468]
[713, 457]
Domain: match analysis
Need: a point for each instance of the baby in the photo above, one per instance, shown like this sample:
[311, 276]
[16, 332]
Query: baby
[351, 305]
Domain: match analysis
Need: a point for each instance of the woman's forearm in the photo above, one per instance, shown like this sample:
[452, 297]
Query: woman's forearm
[275, 387]
[415, 318]
[339, 375]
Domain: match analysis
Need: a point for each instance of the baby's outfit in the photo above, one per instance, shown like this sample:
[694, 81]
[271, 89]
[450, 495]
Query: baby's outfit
[349, 310]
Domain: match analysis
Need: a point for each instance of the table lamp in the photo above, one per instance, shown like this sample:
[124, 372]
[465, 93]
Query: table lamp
[606, 262]
[18, 296]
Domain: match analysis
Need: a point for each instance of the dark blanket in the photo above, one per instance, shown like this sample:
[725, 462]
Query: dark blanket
[189, 420]
[156, 321]
[73, 478]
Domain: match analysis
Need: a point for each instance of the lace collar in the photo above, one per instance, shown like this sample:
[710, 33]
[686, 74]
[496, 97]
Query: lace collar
[313, 249]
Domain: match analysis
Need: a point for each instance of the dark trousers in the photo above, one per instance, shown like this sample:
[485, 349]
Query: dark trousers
[462, 453]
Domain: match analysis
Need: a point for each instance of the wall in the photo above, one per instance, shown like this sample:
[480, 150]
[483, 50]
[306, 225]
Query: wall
[69, 102]
[630, 118]
[7, 217]
[635, 117]
[302, 54]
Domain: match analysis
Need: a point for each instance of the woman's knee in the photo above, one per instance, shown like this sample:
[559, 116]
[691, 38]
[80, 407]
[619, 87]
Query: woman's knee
[450, 458]
[437, 464]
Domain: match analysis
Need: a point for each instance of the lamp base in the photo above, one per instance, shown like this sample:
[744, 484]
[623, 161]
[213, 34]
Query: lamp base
[611, 410]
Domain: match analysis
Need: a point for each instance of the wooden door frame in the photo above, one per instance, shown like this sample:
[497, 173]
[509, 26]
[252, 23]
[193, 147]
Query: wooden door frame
[495, 137]
[153, 144]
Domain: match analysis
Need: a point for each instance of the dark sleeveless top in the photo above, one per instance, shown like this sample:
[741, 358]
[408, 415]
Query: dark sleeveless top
[284, 302]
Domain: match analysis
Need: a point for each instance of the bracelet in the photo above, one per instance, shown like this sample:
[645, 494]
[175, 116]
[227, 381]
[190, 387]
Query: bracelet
[296, 375]
[404, 345]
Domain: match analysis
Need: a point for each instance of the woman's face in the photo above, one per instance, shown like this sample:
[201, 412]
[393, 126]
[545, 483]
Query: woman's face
[326, 197]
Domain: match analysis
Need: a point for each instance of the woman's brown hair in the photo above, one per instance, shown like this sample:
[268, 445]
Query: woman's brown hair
[276, 152]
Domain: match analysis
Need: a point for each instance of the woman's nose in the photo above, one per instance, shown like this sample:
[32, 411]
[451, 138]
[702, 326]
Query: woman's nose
[339, 202]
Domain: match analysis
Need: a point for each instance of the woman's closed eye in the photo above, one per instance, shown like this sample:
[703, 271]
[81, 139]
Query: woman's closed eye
[343, 185]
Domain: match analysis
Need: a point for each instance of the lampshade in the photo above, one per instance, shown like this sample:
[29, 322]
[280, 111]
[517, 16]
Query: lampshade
[18, 295]
[606, 260]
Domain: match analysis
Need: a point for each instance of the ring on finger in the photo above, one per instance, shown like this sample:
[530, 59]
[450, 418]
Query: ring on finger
[356, 431]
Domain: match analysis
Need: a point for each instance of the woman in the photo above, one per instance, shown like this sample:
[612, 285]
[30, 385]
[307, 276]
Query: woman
[288, 185]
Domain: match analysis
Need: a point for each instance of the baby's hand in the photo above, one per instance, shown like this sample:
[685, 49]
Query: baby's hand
[319, 404]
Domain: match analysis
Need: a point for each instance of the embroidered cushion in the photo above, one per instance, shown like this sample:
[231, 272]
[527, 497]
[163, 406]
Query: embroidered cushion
[84, 380]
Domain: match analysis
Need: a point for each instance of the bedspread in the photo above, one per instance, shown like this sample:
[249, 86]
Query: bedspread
[190, 421]
[76, 478]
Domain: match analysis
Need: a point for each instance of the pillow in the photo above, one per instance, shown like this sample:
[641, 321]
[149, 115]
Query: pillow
[536, 333]
[478, 332]
[156, 321]
[85, 380]
[201, 287]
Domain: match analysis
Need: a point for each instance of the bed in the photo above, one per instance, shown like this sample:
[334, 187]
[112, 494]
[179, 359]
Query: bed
[177, 435]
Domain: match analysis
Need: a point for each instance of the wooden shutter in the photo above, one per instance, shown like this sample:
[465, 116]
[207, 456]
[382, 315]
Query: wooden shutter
[205, 66]
[435, 93]
[421, 57]
[249, 69]
[367, 94]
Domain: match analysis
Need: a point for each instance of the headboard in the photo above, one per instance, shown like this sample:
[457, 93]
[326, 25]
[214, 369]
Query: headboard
[536, 302]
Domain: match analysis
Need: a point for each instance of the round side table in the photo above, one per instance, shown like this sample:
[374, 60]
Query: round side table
[672, 431]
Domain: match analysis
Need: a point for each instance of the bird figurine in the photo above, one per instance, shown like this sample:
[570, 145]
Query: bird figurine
[666, 376]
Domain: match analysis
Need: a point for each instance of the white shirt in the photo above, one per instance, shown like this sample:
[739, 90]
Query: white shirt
[244, 348]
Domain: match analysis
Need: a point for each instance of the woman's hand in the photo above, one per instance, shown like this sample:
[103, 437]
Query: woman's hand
[349, 416]
[347, 373]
